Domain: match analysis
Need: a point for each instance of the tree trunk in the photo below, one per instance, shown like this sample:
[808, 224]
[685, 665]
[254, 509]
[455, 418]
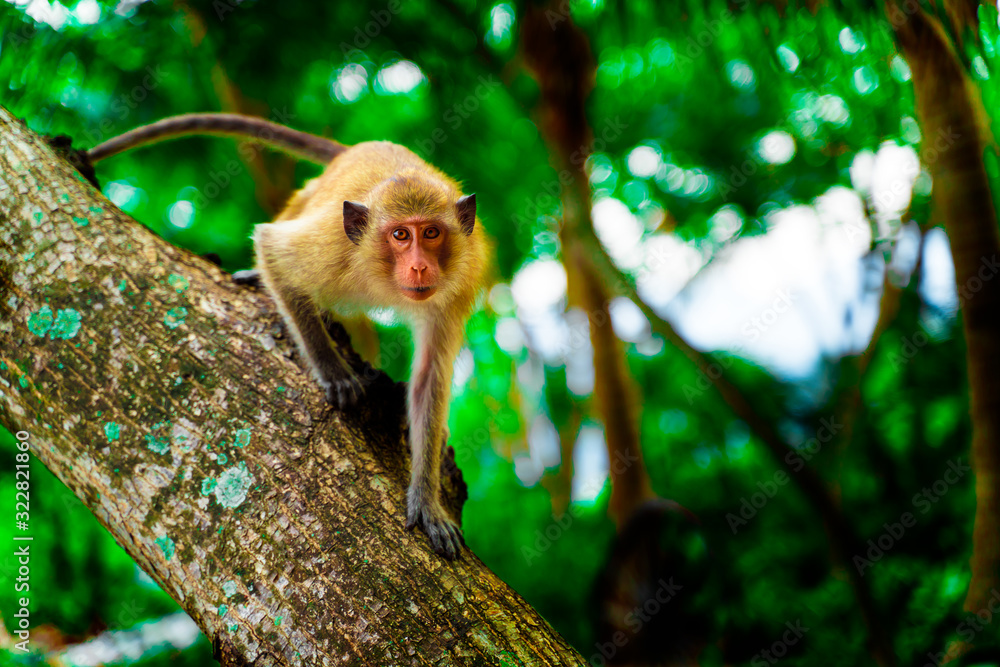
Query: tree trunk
[156, 390]
[956, 135]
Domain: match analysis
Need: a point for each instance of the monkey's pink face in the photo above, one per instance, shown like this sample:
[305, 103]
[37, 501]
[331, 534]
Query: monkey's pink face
[417, 247]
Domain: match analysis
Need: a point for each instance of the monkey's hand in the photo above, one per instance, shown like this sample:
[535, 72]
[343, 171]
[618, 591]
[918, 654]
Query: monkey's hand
[250, 277]
[344, 389]
[444, 534]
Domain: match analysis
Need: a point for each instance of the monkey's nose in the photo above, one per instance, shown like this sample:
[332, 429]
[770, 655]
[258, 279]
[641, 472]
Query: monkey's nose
[419, 270]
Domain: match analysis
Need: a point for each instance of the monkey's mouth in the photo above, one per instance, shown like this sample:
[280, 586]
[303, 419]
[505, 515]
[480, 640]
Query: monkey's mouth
[420, 293]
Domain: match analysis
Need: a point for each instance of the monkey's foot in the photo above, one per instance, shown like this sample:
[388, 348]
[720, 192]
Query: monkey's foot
[444, 534]
[248, 277]
[344, 392]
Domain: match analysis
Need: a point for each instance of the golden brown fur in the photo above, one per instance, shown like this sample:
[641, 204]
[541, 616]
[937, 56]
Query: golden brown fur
[415, 246]
[310, 265]
[312, 247]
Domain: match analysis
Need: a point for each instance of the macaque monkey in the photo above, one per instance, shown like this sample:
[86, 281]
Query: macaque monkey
[379, 228]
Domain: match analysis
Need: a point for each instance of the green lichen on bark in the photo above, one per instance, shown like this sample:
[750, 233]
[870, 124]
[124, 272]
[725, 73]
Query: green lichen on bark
[167, 546]
[175, 317]
[232, 486]
[112, 431]
[283, 520]
[67, 324]
[41, 321]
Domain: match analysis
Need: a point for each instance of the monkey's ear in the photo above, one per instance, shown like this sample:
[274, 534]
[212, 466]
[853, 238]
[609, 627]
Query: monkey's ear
[355, 221]
[467, 213]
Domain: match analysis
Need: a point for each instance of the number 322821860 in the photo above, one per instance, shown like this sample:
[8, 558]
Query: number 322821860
[22, 477]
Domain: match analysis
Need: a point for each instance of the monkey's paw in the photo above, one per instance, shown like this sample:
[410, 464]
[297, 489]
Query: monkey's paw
[344, 392]
[249, 277]
[444, 534]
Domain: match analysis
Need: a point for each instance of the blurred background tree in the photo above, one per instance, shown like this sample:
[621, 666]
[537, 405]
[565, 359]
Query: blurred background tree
[759, 174]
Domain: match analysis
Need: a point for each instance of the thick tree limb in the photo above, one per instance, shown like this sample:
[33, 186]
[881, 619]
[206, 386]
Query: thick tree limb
[558, 55]
[155, 390]
[956, 128]
[843, 539]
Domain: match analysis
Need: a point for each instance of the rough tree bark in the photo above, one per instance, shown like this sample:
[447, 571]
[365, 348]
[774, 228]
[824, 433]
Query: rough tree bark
[156, 390]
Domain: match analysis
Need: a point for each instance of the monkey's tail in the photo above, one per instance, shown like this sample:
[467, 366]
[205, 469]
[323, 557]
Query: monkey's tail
[302, 144]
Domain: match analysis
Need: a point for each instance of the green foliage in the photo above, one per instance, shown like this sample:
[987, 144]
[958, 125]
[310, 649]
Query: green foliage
[80, 578]
[699, 84]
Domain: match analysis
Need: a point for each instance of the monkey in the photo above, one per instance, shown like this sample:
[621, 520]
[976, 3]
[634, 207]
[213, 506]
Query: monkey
[380, 227]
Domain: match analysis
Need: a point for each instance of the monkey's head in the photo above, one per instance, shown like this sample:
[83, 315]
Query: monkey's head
[417, 231]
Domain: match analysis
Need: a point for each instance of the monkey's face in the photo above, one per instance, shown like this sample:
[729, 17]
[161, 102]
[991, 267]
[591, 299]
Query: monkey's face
[417, 248]
[420, 235]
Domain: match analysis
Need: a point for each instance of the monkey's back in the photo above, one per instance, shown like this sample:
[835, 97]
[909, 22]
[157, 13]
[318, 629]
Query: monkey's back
[362, 168]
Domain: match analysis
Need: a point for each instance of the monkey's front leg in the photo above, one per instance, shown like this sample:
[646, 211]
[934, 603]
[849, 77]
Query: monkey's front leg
[429, 390]
[333, 372]
[282, 268]
[249, 277]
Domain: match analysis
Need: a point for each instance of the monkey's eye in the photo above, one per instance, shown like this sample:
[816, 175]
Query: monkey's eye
[432, 233]
[401, 235]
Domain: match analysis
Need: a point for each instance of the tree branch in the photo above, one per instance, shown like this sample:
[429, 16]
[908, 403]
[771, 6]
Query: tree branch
[156, 390]
[560, 58]
[956, 127]
[843, 540]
